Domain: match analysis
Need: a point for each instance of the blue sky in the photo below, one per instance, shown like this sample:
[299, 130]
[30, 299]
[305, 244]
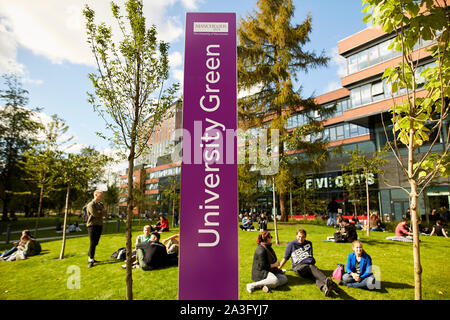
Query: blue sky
[44, 42]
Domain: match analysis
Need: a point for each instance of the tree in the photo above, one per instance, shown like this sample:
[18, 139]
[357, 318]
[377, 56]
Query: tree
[369, 166]
[111, 195]
[271, 53]
[40, 161]
[77, 171]
[130, 87]
[172, 192]
[17, 130]
[419, 119]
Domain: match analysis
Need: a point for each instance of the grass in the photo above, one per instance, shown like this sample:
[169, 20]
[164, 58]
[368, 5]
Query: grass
[46, 277]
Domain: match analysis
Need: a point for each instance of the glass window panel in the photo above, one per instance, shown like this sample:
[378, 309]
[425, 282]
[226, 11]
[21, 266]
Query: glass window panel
[353, 130]
[387, 89]
[363, 60]
[326, 133]
[355, 96]
[352, 62]
[366, 96]
[374, 55]
[339, 132]
[385, 53]
[332, 131]
[346, 131]
[377, 88]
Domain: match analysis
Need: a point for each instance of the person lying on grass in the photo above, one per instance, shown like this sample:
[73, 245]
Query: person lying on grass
[265, 270]
[300, 252]
[359, 268]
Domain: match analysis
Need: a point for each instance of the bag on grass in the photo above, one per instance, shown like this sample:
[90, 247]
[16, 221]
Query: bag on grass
[120, 254]
[337, 273]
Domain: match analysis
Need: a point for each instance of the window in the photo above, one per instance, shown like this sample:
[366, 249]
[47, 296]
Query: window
[363, 60]
[385, 53]
[352, 64]
[377, 91]
[365, 94]
[374, 55]
[340, 132]
[355, 96]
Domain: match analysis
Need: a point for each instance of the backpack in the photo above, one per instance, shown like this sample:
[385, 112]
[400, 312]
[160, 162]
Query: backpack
[120, 254]
[337, 273]
[85, 215]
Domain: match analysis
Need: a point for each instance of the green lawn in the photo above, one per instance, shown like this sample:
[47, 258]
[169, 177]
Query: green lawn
[46, 277]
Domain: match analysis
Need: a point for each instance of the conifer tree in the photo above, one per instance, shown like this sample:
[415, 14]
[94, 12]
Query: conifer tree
[271, 55]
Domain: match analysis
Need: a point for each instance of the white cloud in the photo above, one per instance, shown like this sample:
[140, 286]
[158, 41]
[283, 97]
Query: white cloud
[178, 75]
[338, 61]
[175, 59]
[55, 29]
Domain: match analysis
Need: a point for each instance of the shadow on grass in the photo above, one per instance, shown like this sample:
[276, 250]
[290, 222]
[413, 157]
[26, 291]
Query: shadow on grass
[300, 281]
[393, 285]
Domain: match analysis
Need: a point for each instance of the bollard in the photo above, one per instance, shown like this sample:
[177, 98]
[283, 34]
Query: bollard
[8, 232]
[118, 225]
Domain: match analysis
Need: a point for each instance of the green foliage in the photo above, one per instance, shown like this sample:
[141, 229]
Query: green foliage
[271, 53]
[416, 118]
[17, 131]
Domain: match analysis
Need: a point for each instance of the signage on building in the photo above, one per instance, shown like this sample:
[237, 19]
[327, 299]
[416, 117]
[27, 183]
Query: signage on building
[336, 180]
[208, 266]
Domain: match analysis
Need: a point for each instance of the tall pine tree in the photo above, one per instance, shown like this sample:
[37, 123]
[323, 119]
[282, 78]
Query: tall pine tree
[271, 54]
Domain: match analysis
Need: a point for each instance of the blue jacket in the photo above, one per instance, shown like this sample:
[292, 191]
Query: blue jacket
[365, 265]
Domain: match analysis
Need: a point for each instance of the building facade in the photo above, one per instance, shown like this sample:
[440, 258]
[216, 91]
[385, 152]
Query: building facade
[155, 171]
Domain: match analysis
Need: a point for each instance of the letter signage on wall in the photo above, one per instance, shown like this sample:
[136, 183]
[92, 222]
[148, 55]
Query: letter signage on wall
[208, 265]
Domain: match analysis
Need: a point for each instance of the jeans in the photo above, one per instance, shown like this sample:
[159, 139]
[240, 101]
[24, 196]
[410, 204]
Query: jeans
[312, 272]
[140, 258]
[9, 252]
[94, 233]
[368, 283]
[272, 281]
[332, 219]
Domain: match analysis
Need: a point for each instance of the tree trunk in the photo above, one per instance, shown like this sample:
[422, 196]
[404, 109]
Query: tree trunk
[63, 247]
[129, 273]
[416, 243]
[283, 213]
[368, 205]
[274, 212]
[41, 194]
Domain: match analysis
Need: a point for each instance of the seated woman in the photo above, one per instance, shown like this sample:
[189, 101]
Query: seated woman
[162, 225]
[262, 222]
[438, 230]
[246, 224]
[346, 233]
[379, 226]
[28, 246]
[359, 268]
[265, 270]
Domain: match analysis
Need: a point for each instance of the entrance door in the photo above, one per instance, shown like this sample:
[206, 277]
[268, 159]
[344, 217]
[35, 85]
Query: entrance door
[399, 208]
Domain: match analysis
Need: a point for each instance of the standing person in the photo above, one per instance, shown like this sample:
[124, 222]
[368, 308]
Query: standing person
[359, 268]
[95, 211]
[265, 270]
[300, 252]
[333, 208]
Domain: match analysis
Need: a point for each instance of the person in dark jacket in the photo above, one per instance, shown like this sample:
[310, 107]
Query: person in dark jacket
[152, 254]
[265, 270]
[95, 212]
[347, 233]
[359, 268]
[262, 222]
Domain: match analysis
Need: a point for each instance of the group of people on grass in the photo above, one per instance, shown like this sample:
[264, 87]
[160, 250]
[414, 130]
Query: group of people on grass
[268, 272]
[248, 220]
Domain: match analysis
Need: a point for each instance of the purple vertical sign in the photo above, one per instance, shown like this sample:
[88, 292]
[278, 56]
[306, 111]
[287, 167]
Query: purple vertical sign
[208, 215]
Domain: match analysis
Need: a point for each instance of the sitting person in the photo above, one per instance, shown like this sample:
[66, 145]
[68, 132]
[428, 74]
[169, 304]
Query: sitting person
[172, 244]
[28, 246]
[16, 244]
[403, 230]
[300, 252]
[347, 232]
[152, 254]
[262, 222]
[359, 268]
[247, 224]
[379, 226]
[265, 270]
[356, 223]
[423, 230]
[162, 225]
[74, 227]
[439, 230]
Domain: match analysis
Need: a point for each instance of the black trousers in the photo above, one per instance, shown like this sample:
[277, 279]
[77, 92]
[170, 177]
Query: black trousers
[310, 271]
[94, 233]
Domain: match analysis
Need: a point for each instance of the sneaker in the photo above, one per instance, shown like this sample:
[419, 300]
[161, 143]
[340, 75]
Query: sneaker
[90, 264]
[327, 287]
[249, 288]
[124, 266]
[266, 289]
